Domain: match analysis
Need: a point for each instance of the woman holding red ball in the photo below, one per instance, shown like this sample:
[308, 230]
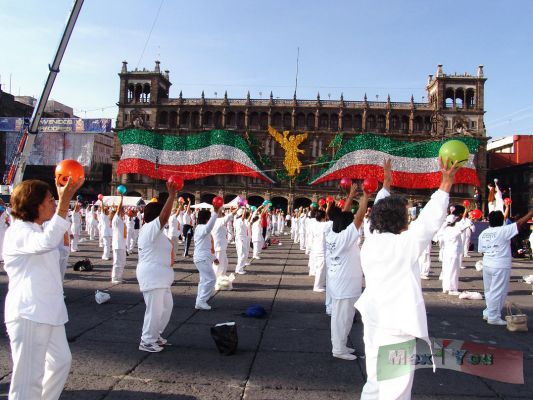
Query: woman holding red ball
[35, 312]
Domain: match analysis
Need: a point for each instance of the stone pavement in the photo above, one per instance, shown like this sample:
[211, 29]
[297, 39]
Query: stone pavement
[284, 356]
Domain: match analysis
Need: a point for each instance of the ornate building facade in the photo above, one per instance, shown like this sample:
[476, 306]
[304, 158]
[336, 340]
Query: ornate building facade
[455, 106]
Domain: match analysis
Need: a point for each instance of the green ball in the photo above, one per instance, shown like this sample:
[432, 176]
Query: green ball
[454, 150]
[254, 208]
[314, 205]
[353, 210]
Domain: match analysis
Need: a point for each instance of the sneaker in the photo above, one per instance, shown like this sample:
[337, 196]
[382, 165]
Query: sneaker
[319, 290]
[150, 347]
[202, 306]
[257, 257]
[162, 342]
[116, 281]
[247, 264]
[345, 356]
[349, 350]
[106, 258]
[241, 272]
[498, 321]
[454, 293]
[444, 291]
[485, 318]
[424, 277]
[462, 267]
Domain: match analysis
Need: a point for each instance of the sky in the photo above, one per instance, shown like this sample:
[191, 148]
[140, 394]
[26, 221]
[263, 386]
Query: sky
[345, 46]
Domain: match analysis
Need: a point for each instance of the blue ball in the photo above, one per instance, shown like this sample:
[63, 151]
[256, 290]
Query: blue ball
[122, 189]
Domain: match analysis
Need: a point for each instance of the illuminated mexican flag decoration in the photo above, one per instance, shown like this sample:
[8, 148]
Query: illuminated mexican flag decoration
[216, 152]
[415, 164]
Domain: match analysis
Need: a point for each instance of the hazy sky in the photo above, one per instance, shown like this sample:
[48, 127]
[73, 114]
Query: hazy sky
[354, 47]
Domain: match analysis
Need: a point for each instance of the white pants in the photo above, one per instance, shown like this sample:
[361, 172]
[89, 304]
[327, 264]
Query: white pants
[258, 244]
[41, 360]
[2, 234]
[312, 264]
[425, 261]
[320, 273]
[130, 242]
[450, 271]
[107, 247]
[93, 230]
[301, 235]
[296, 237]
[243, 247]
[468, 234]
[119, 262]
[74, 242]
[342, 313]
[175, 246]
[158, 310]
[222, 268]
[100, 237]
[496, 285]
[397, 388]
[206, 285]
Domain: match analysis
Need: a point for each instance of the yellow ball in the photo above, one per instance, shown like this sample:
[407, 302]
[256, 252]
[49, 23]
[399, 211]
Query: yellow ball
[454, 150]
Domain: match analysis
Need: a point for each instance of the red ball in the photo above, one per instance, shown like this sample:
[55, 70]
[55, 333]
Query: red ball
[466, 203]
[130, 213]
[476, 214]
[346, 183]
[100, 196]
[370, 185]
[176, 181]
[508, 201]
[69, 168]
[218, 202]
[330, 200]
[341, 203]
[321, 202]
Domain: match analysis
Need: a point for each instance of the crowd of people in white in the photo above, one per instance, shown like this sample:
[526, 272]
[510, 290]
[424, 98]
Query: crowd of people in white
[385, 245]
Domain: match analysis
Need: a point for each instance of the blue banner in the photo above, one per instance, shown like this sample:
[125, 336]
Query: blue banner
[65, 125]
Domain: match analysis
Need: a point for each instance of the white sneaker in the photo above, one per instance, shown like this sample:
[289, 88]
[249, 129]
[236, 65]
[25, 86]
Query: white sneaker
[150, 347]
[241, 272]
[257, 257]
[319, 290]
[349, 350]
[454, 293]
[424, 277]
[202, 306]
[247, 264]
[117, 281]
[346, 356]
[498, 321]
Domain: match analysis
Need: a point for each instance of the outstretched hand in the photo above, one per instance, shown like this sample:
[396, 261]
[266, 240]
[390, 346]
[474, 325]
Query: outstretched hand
[171, 189]
[448, 174]
[66, 192]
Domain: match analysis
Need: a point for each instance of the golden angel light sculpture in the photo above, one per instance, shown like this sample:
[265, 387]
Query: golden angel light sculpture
[290, 144]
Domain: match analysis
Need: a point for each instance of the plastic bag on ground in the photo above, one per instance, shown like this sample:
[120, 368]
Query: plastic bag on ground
[225, 282]
[225, 337]
[101, 297]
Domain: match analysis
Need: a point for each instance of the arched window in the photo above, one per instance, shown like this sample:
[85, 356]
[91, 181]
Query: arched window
[185, 119]
[195, 120]
[470, 98]
[459, 98]
[448, 98]
[418, 124]
[381, 123]
[231, 119]
[300, 121]
[263, 120]
[218, 120]
[358, 122]
[404, 124]
[347, 121]
[334, 122]
[138, 92]
[241, 119]
[323, 121]
[146, 93]
[287, 120]
[371, 123]
[131, 90]
[208, 119]
[310, 123]
[254, 120]
[427, 124]
[173, 119]
[276, 120]
[395, 123]
[163, 118]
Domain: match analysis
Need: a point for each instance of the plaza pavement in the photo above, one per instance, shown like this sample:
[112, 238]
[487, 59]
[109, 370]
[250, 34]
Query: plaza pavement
[284, 356]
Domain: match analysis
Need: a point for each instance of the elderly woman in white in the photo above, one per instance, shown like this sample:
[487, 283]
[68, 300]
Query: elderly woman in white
[35, 312]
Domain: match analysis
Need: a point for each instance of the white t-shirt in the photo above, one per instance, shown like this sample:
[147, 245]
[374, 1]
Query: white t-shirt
[343, 261]
[118, 240]
[186, 217]
[320, 229]
[257, 231]
[75, 227]
[173, 230]
[31, 261]
[153, 269]
[202, 240]
[495, 245]
[220, 232]
[241, 229]
[106, 226]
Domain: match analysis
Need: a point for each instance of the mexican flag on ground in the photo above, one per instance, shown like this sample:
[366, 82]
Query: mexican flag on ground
[193, 157]
[415, 164]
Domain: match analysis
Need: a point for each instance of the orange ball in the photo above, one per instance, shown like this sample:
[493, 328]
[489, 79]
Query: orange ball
[69, 168]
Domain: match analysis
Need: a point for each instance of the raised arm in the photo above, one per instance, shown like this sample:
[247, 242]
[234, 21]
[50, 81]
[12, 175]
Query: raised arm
[167, 208]
[361, 211]
[387, 181]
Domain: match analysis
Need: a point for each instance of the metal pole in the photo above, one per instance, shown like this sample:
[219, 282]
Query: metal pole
[41, 104]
